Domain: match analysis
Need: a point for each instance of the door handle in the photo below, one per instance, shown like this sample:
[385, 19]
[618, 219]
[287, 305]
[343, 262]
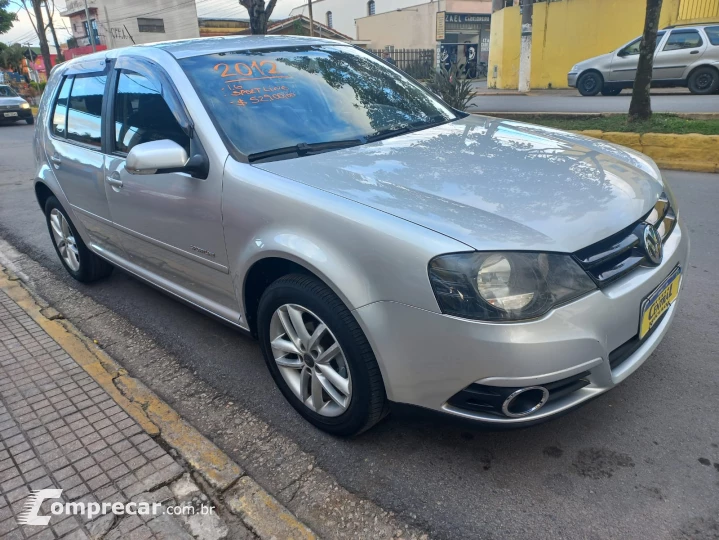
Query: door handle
[114, 180]
[57, 160]
[694, 52]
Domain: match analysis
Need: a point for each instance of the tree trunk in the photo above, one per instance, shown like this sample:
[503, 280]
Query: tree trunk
[258, 17]
[58, 50]
[641, 105]
[40, 29]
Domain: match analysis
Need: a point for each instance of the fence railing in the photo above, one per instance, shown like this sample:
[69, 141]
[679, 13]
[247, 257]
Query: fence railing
[418, 63]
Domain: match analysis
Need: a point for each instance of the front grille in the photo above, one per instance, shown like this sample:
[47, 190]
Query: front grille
[489, 399]
[616, 256]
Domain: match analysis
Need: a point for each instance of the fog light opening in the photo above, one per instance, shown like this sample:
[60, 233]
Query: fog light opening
[525, 401]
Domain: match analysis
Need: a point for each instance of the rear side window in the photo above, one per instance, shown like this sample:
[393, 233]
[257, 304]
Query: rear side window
[713, 34]
[59, 117]
[683, 39]
[142, 115]
[85, 110]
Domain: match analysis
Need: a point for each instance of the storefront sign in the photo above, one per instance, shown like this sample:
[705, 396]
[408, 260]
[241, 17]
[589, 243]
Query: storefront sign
[440, 25]
[464, 18]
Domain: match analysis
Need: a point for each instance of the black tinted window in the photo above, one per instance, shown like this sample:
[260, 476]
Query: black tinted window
[683, 39]
[59, 117]
[265, 100]
[713, 34]
[85, 109]
[142, 115]
[6, 91]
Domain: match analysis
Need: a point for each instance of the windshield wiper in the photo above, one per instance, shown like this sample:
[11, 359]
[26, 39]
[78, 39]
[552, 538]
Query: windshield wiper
[302, 149]
[416, 126]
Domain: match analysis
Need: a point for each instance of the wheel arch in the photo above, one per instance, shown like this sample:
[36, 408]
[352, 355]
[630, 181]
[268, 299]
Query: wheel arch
[591, 70]
[267, 269]
[715, 67]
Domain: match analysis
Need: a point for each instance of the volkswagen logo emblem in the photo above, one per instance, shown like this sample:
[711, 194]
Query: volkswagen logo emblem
[652, 244]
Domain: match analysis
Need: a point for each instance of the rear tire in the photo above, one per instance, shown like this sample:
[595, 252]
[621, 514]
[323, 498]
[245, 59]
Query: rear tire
[366, 401]
[703, 81]
[590, 84]
[81, 263]
[611, 91]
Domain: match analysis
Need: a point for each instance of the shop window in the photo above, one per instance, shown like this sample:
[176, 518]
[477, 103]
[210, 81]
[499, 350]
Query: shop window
[370, 7]
[151, 25]
[329, 19]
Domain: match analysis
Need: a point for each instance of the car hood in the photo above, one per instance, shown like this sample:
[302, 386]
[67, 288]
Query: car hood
[492, 184]
[4, 101]
[596, 61]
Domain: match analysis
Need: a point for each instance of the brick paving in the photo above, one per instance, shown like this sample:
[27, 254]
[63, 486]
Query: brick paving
[60, 429]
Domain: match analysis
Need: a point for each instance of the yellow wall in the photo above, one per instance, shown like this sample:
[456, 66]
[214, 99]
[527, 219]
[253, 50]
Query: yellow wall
[504, 45]
[569, 31]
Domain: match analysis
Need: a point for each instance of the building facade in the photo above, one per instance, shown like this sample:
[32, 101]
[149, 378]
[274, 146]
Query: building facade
[115, 23]
[458, 30]
[563, 32]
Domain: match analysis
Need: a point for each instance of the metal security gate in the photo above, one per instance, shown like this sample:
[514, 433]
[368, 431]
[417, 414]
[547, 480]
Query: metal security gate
[417, 63]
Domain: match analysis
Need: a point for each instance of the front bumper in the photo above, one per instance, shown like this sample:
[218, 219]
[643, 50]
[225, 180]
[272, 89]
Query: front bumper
[6, 115]
[427, 357]
[572, 80]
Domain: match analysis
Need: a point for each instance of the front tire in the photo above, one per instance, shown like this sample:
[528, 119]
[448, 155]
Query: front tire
[703, 81]
[30, 121]
[81, 263]
[590, 84]
[319, 357]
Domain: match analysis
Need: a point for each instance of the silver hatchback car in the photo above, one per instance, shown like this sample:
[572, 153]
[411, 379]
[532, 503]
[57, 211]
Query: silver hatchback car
[380, 245]
[685, 56]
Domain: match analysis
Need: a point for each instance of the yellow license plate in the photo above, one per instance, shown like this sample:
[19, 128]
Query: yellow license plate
[657, 303]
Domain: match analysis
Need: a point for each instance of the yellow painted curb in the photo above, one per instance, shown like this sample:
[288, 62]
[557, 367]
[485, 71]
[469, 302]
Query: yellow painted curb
[258, 510]
[690, 152]
[265, 515]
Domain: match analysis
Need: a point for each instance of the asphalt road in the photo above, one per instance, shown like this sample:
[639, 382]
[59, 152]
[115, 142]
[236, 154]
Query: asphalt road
[545, 102]
[641, 461]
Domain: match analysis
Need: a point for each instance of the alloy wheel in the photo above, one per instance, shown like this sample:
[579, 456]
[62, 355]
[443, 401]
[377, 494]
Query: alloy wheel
[64, 240]
[311, 360]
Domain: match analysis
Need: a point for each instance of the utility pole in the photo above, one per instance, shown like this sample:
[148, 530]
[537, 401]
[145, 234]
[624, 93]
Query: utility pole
[90, 33]
[58, 50]
[29, 63]
[525, 54]
[312, 21]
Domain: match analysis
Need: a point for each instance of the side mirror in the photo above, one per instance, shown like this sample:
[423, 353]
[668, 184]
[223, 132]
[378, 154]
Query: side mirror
[622, 53]
[154, 156]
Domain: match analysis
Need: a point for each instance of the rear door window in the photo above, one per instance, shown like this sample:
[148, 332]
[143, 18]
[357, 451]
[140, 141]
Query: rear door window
[713, 34]
[142, 114]
[84, 116]
[59, 117]
[683, 39]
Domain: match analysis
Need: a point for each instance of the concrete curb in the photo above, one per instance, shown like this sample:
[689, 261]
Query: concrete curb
[242, 496]
[691, 152]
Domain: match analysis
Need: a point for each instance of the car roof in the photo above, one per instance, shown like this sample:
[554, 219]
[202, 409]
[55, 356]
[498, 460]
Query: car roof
[196, 47]
[690, 26]
[185, 48]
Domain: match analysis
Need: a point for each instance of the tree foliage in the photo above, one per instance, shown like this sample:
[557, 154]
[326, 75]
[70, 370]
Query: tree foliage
[641, 106]
[7, 18]
[11, 56]
[259, 14]
[455, 91]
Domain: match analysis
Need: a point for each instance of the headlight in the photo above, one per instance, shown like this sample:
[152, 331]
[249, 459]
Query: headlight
[503, 286]
[574, 69]
[25, 105]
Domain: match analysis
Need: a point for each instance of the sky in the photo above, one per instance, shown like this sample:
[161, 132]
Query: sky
[23, 32]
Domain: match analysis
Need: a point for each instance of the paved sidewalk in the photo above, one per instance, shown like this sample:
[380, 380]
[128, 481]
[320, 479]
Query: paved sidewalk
[60, 429]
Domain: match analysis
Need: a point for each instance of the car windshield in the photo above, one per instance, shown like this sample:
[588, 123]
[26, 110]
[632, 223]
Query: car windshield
[6, 91]
[269, 100]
